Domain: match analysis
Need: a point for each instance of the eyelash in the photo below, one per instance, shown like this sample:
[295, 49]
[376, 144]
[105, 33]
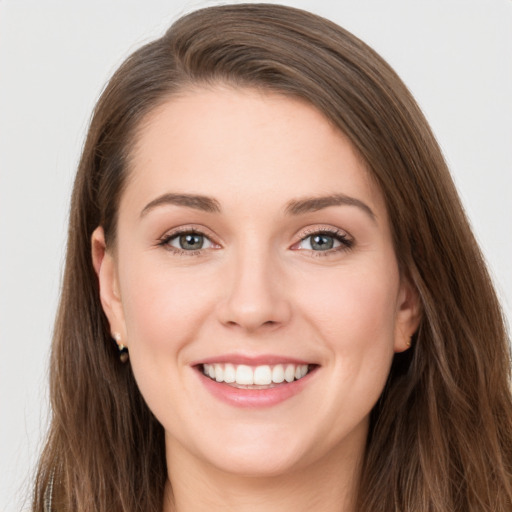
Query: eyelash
[346, 243]
[167, 238]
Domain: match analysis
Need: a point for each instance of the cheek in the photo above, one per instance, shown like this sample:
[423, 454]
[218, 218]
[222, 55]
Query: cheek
[163, 309]
[351, 306]
[354, 315]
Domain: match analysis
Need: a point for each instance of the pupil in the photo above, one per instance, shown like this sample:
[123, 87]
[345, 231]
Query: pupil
[191, 241]
[322, 242]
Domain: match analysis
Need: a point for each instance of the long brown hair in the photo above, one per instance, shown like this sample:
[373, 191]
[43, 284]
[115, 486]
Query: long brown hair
[441, 434]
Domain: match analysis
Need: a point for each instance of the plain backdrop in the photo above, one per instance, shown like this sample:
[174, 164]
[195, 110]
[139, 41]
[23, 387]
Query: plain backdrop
[55, 57]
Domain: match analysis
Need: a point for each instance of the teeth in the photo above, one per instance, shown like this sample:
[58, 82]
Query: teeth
[244, 375]
[229, 373]
[219, 373]
[289, 373]
[258, 375]
[262, 375]
[278, 374]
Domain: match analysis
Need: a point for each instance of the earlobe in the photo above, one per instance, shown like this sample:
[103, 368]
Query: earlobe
[105, 268]
[409, 312]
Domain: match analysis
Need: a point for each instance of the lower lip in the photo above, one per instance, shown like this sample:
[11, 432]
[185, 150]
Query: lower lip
[254, 398]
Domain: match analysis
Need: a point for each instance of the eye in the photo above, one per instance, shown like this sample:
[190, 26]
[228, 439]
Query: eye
[325, 241]
[187, 241]
[319, 242]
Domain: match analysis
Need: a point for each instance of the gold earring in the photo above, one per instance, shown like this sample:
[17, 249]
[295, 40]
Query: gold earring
[408, 342]
[123, 350]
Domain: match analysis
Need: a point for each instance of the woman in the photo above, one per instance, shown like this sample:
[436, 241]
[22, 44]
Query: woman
[272, 298]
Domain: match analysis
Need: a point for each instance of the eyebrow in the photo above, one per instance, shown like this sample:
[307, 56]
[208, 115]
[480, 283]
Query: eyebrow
[293, 207]
[197, 202]
[313, 204]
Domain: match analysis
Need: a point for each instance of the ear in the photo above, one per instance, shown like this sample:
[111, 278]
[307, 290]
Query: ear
[106, 270]
[408, 315]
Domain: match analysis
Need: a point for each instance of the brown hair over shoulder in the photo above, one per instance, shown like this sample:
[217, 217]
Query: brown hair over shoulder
[441, 434]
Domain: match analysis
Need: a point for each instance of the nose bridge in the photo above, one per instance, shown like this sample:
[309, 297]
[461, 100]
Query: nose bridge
[255, 294]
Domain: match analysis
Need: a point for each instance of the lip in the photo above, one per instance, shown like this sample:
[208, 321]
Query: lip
[253, 398]
[264, 359]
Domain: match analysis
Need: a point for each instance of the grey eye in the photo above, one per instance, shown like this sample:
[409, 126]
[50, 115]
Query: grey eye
[190, 242]
[319, 242]
[322, 242]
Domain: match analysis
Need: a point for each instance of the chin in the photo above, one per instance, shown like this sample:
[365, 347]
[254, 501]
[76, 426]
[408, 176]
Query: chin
[258, 453]
[263, 465]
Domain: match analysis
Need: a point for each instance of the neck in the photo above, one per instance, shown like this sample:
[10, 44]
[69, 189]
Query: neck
[329, 485]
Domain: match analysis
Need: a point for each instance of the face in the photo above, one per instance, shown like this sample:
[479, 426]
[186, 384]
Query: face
[254, 282]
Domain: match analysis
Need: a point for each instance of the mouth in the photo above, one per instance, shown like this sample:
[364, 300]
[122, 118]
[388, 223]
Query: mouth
[239, 383]
[255, 381]
[242, 376]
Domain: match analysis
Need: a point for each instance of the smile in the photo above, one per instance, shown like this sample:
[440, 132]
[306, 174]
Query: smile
[263, 376]
[242, 384]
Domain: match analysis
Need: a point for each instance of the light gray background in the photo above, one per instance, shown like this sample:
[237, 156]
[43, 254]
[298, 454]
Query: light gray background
[55, 56]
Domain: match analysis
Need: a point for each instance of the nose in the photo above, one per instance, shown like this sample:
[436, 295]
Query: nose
[255, 295]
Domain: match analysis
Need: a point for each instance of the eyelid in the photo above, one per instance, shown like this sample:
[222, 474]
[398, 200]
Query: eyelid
[198, 229]
[321, 228]
[180, 230]
[345, 239]
[341, 235]
[177, 239]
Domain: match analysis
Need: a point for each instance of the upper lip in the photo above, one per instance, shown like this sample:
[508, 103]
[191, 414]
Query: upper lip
[264, 359]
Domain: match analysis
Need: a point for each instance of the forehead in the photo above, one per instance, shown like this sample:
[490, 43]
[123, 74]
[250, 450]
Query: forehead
[243, 145]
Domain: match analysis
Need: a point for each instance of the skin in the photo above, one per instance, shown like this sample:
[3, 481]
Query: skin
[256, 287]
